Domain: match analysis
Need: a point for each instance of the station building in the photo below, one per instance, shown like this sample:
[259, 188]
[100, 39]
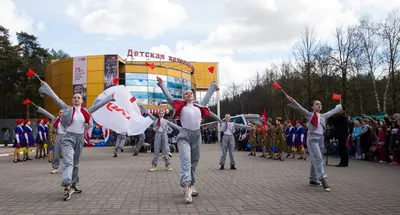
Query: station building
[91, 75]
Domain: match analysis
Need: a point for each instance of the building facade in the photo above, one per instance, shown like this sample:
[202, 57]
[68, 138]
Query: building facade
[91, 75]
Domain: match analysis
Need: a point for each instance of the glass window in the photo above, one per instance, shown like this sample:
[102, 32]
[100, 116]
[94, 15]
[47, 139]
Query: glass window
[137, 88]
[142, 101]
[186, 87]
[136, 76]
[140, 95]
[152, 89]
[174, 85]
[137, 82]
[154, 77]
[152, 83]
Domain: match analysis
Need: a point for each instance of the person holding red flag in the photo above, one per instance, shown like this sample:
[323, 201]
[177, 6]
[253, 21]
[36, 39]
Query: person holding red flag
[74, 120]
[316, 123]
[19, 141]
[190, 114]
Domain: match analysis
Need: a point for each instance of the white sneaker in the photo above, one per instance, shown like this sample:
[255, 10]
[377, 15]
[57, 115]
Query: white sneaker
[153, 169]
[54, 171]
[188, 195]
[168, 167]
[194, 192]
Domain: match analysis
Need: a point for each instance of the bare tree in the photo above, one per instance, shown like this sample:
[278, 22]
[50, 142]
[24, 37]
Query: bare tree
[343, 52]
[390, 32]
[370, 58]
[305, 55]
[356, 71]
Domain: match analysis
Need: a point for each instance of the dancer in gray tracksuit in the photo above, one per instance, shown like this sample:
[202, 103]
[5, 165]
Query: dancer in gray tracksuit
[74, 120]
[316, 124]
[60, 133]
[160, 126]
[228, 141]
[189, 137]
[139, 144]
[119, 143]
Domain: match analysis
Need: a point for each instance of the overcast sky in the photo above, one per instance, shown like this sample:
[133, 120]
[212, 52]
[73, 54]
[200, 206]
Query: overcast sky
[244, 36]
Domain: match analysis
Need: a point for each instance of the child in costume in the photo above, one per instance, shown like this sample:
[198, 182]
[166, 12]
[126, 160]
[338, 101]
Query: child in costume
[30, 141]
[40, 139]
[46, 137]
[290, 139]
[299, 140]
[19, 141]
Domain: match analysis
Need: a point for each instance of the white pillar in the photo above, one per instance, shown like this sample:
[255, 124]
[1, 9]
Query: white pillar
[218, 103]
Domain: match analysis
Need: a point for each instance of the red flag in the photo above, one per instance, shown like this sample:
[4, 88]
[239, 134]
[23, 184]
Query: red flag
[211, 69]
[264, 116]
[116, 80]
[27, 101]
[336, 96]
[30, 73]
[151, 65]
[276, 85]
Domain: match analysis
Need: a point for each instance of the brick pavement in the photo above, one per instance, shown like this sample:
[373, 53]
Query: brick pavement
[124, 185]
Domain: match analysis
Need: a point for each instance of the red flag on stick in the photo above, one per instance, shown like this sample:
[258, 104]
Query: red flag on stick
[27, 101]
[151, 65]
[278, 87]
[211, 69]
[30, 73]
[116, 81]
[336, 96]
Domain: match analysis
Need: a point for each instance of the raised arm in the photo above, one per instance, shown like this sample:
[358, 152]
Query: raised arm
[334, 111]
[164, 89]
[241, 126]
[374, 123]
[46, 113]
[214, 116]
[101, 103]
[173, 125]
[46, 89]
[144, 110]
[297, 106]
[211, 89]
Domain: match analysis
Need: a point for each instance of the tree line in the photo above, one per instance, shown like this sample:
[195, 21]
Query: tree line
[362, 65]
[15, 60]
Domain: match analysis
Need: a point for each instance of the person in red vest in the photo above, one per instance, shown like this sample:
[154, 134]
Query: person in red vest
[316, 123]
[190, 114]
[74, 120]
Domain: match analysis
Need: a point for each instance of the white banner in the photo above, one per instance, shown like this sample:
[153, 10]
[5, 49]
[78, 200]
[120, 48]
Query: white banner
[122, 115]
[79, 73]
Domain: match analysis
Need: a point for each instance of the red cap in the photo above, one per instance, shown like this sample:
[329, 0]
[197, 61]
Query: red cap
[39, 120]
[291, 122]
[26, 121]
[299, 121]
[19, 121]
[45, 121]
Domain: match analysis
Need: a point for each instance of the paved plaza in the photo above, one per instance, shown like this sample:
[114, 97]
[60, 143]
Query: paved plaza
[124, 185]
